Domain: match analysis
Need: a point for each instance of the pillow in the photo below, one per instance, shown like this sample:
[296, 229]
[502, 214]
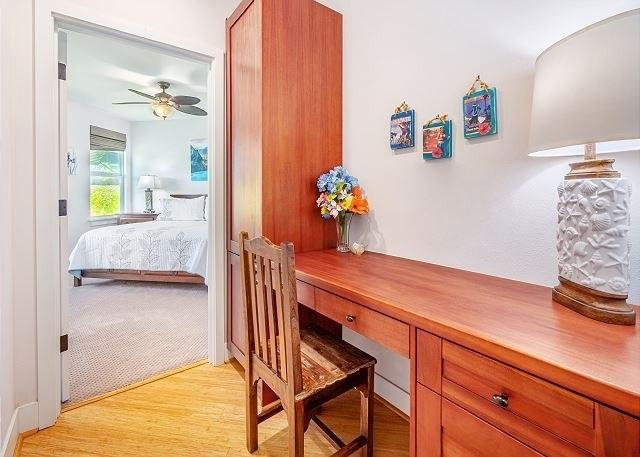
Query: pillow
[181, 209]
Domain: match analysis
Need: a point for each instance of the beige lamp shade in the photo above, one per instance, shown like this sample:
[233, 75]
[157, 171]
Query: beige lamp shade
[148, 182]
[587, 90]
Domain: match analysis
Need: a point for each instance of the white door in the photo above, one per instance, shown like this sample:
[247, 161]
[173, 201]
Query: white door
[65, 278]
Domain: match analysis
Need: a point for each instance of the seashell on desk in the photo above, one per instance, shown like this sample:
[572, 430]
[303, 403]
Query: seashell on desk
[357, 248]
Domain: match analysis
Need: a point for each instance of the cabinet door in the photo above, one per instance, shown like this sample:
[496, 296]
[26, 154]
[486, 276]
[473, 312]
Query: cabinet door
[465, 435]
[428, 422]
[244, 117]
[235, 330]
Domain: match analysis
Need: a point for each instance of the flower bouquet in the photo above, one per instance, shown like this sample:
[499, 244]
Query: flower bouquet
[341, 197]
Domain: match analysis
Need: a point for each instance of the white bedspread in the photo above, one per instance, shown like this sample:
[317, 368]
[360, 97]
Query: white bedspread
[155, 246]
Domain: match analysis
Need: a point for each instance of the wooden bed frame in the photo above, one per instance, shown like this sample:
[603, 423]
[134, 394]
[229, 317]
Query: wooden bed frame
[144, 275]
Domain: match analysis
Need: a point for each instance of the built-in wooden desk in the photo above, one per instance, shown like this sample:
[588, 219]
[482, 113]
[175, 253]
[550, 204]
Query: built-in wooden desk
[497, 367]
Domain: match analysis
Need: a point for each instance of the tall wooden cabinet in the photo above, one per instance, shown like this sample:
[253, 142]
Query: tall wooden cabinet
[284, 128]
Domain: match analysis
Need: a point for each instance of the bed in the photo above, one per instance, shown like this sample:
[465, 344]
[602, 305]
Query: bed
[173, 248]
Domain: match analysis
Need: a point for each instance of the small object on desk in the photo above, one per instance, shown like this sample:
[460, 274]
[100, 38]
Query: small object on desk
[357, 248]
[341, 197]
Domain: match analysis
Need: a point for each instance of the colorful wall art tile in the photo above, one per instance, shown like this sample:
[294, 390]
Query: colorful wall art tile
[480, 113]
[402, 128]
[437, 135]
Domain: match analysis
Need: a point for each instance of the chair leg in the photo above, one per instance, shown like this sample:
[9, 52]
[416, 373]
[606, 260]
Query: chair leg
[295, 417]
[366, 413]
[251, 416]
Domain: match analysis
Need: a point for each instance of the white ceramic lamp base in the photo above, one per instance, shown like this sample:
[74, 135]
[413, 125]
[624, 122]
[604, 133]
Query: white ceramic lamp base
[594, 248]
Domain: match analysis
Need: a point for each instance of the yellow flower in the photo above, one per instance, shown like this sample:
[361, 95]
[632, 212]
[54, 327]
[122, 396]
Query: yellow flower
[346, 203]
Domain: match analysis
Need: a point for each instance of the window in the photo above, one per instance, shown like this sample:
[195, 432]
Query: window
[106, 183]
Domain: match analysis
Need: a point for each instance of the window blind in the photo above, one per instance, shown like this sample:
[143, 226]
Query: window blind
[106, 140]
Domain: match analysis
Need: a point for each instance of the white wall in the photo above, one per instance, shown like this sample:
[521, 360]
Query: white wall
[491, 208]
[17, 212]
[161, 148]
[196, 22]
[80, 118]
[7, 394]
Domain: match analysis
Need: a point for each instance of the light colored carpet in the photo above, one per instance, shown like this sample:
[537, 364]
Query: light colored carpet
[124, 332]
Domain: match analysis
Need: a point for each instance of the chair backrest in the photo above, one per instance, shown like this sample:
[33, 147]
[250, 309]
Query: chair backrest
[272, 330]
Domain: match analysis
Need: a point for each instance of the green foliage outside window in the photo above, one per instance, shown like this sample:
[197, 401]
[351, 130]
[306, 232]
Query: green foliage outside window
[105, 200]
[106, 183]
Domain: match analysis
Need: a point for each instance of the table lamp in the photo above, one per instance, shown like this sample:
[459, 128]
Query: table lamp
[148, 182]
[586, 100]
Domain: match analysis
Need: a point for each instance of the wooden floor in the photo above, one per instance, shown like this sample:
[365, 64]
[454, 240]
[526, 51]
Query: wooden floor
[198, 412]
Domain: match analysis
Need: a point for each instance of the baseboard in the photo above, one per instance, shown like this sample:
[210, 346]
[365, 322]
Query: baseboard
[393, 394]
[18, 449]
[24, 418]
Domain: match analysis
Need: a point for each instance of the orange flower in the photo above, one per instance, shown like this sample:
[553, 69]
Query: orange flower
[359, 204]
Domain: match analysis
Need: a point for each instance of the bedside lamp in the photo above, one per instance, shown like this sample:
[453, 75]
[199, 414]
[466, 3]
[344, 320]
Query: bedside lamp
[586, 100]
[148, 182]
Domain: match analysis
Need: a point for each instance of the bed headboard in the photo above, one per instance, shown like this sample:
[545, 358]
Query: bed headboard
[187, 195]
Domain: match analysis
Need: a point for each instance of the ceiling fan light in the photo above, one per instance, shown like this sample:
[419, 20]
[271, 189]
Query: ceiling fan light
[163, 110]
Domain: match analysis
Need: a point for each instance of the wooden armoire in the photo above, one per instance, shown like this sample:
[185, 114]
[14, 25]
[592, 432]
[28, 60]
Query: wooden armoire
[284, 129]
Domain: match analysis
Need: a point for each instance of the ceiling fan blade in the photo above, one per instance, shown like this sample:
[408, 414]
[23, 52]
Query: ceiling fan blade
[192, 110]
[142, 94]
[131, 103]
[185, 100]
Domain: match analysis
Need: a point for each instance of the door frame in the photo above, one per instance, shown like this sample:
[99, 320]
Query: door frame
[49, 14]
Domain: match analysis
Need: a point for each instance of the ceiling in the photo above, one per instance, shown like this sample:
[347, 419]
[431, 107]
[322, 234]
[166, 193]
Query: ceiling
[100, 69]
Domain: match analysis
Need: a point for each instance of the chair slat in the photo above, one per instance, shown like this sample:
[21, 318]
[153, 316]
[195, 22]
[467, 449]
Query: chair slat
[277, 285]
[253, 306]
[262, 317]
[273, 330]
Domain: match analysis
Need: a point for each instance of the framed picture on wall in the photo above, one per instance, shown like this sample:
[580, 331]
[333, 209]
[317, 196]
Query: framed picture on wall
[402, 128]
[480, 112]
[199, 156]
[436, 136]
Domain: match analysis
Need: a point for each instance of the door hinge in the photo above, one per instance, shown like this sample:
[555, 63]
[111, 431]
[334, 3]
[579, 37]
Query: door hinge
[62, 71]
[64, 343]
[62, 207]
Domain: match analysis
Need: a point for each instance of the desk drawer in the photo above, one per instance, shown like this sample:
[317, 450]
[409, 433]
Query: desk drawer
[305, 294]
[383, 329]
[532, 409]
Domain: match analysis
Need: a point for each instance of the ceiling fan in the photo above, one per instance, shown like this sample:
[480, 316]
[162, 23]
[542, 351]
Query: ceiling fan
[164, 104]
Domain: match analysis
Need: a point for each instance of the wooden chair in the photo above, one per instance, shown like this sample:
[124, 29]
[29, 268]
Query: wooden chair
[304, 367]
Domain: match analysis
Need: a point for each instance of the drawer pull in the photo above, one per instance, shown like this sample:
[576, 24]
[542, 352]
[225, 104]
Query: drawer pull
[502, 400]
[350, 318]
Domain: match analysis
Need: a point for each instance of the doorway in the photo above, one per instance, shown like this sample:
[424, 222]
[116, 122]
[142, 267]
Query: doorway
[136, 142]
[51, 220]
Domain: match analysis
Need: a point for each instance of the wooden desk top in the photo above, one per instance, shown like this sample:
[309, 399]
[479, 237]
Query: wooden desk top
[515, 322]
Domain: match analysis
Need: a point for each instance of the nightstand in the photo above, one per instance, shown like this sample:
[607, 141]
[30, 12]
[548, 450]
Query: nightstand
[132, 218]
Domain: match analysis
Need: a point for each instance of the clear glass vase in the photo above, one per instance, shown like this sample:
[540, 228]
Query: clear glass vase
[343, 222]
